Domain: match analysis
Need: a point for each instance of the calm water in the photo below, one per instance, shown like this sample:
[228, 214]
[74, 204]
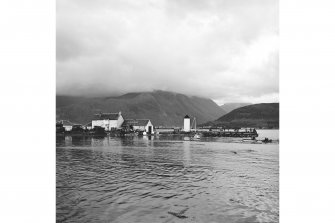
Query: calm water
[166, 179]
[271, 134]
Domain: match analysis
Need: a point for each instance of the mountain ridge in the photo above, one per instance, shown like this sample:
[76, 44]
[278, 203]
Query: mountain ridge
[162, 107]
[263, 115]
[228, 107]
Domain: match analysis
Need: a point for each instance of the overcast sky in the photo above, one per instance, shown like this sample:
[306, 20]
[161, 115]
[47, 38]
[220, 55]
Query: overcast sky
[226, 50]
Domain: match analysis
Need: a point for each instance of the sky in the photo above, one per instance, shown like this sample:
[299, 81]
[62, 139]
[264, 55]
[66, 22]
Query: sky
[226, 50]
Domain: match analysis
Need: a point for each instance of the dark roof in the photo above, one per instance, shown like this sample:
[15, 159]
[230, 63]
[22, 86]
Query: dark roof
[106, 116]
[135, 122]
[187, 116]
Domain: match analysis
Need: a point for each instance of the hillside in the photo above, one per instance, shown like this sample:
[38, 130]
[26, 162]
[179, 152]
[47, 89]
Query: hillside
[228, 107]
[163, 108]
[264, 115]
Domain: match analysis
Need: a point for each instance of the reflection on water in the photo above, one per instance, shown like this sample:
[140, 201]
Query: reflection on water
[150, 179]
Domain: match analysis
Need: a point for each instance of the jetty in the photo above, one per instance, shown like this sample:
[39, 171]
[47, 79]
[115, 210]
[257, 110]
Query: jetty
[231, 133]
[238, 133]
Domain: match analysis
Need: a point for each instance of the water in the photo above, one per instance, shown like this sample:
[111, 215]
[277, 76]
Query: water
[166, 179]
[268, 133]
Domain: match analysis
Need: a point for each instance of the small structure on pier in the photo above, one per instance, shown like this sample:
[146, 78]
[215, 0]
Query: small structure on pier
[187, 124]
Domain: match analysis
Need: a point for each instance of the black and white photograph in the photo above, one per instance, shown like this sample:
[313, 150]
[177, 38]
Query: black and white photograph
[167, 111]
[202, 111]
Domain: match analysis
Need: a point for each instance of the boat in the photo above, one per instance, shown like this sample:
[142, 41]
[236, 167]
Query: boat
[266, 140]
[196, 136]
[186, 138]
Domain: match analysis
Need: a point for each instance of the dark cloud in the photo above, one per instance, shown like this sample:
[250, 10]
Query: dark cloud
[225, 50]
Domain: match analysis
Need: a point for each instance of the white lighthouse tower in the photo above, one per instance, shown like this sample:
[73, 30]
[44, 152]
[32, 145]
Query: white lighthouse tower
[187, 124]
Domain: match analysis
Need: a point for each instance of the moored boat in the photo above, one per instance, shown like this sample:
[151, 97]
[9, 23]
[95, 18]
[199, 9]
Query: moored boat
[266, 140]
[196, 136]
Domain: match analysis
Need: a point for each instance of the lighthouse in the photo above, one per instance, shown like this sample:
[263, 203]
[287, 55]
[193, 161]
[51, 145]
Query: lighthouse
[187, 124]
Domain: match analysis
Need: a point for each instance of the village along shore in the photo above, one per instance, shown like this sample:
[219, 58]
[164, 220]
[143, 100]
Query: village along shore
[114, 125]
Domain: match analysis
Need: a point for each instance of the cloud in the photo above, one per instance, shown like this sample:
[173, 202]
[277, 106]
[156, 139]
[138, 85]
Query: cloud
[224, 50]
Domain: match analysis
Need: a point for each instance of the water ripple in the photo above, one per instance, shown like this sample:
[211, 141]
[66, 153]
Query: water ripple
[141, 180]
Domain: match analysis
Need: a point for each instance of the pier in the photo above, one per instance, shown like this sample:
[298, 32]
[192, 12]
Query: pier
[219, 132]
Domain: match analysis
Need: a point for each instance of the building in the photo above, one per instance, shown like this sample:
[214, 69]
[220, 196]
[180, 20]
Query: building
[67, 125]
[59, 128]
[108, 120]
[77, 129]
[187, 124]
[139, 124]
[88, 126]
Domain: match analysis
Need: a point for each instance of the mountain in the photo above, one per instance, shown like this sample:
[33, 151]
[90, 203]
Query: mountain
[228, 107]
[265, 115]
[161, 107]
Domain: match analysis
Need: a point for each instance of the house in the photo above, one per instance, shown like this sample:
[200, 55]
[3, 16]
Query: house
[67, 125]
[108, 120]
[139, 124]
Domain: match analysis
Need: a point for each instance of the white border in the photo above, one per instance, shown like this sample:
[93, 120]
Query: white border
[27, 68]
[307, 185]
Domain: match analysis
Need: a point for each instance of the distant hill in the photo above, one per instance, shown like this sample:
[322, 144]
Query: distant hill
[162, 107]
[264, 115]
[228, 107]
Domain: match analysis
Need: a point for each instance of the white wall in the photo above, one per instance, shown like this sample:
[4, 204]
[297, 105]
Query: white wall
[120, 121]
[108, 124]
[147, 127]
[187, 124]
[102, 123]
[144, 128]
[112, 124]
[136, 127]
[67, 127]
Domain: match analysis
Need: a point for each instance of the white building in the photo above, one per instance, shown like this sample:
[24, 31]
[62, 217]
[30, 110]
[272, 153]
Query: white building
[139, 124]
[67, 125]
[108, 120]
[187, 124]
